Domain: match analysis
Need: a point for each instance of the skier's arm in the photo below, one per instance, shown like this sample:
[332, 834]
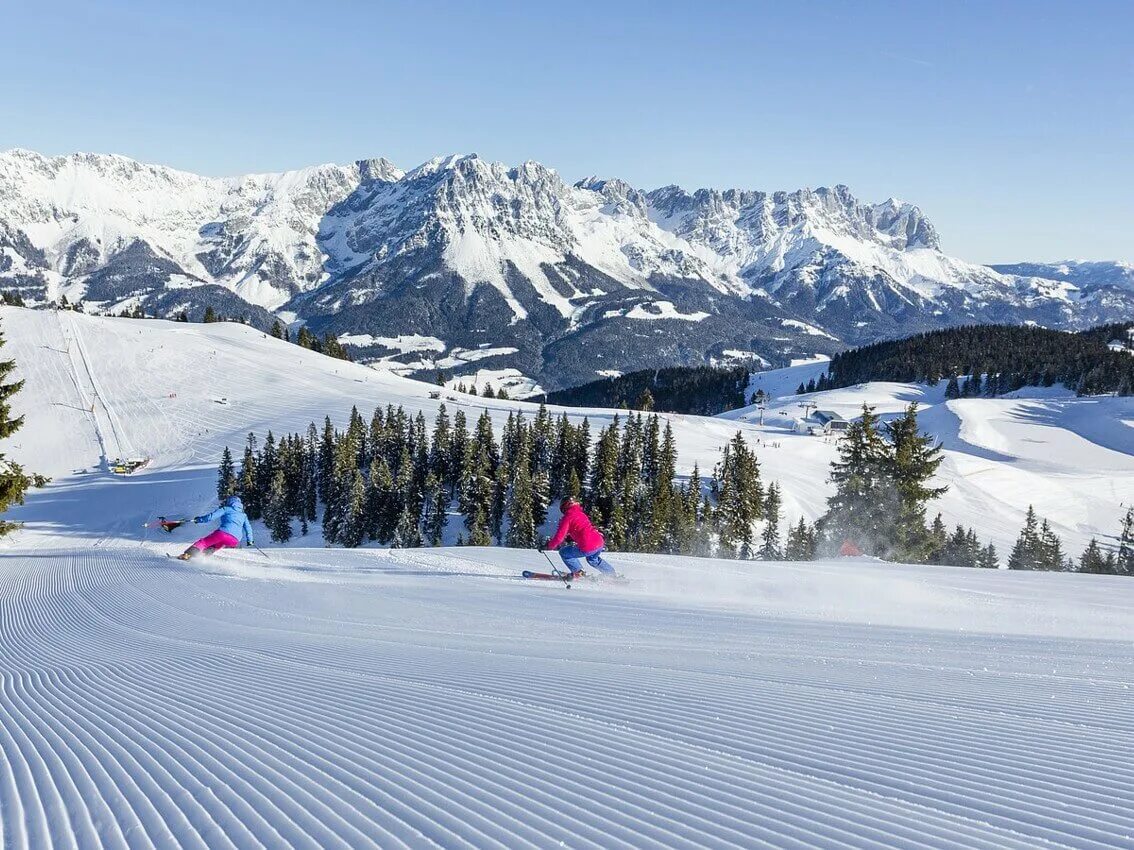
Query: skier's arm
[209, 517]
[248, 532]
[560, 535]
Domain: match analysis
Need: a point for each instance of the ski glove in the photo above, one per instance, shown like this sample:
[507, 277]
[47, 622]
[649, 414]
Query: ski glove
[199, 519]
[251, 543]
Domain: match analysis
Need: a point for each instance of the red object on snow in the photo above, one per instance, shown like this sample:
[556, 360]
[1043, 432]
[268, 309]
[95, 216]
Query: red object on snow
[849, 550]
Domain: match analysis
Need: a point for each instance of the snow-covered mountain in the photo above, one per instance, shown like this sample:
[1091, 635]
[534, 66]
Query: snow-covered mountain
[461, 263]
[1090, 275]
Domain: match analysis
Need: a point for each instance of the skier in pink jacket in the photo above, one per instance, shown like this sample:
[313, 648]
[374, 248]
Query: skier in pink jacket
[588, 542]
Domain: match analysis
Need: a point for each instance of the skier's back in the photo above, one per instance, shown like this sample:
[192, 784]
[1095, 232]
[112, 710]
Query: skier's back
[234, 525]
[588, 542]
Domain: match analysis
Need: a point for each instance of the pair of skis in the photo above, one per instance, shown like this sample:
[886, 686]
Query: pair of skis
[555, 575]
[566, 578]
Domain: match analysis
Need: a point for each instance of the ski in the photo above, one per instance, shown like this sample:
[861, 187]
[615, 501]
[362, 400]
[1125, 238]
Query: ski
[566, 578]
[166, 525]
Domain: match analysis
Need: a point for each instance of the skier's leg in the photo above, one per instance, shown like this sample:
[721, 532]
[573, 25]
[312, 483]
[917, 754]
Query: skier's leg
[224, 540]
[189, 553]
[572, 557]
[596, 560]
[216, 540]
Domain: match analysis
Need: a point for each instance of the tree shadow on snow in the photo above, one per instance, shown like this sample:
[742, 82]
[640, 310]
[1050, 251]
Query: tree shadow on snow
[100, 504]
[1103, 421]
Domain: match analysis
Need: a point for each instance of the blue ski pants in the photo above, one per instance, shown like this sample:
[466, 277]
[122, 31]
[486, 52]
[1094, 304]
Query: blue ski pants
[573, 557]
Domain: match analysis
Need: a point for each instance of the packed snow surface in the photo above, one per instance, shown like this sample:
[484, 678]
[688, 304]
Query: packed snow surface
[327, 698]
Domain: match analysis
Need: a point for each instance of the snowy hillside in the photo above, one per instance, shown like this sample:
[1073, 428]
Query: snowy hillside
[326, 698]
[1073, 458]
[560, 281]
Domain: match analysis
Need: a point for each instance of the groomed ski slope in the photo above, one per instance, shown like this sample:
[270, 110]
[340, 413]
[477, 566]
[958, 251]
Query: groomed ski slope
[428, 698]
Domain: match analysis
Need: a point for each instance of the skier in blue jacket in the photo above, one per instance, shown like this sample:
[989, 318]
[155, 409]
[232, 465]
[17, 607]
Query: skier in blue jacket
[233, 526]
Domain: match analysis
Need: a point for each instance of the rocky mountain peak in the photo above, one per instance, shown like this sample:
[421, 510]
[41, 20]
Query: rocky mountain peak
[486, 260]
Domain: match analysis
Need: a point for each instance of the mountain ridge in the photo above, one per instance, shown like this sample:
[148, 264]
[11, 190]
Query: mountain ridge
[554, 279]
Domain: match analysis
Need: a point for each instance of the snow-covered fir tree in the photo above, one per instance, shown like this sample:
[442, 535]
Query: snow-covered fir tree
[770, 537]
[277, 511]
[226, 476]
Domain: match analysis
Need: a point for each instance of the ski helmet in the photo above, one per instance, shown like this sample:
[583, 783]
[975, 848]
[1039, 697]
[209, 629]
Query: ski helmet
[234, 502]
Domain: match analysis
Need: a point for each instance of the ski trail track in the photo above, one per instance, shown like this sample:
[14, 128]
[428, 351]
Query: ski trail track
[111, 435]
[145, 704]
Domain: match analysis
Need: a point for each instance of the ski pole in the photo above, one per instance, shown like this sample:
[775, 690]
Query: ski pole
[555, 569]
[262, 552]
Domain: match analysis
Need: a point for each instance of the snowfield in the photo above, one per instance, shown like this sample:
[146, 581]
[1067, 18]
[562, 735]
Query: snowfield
[328, 698]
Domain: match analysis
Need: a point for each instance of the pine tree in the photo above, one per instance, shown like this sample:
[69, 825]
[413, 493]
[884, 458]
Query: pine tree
[14, 481]
[339, 504]
[574, 487]
[266, 464]
[407, 532]
[248, 482]
[1124, 561]
[352, 530]
[276, 514]
[210, 315]
[740, 498]
[1027, 554]
[1093, 560]
[604, 475]
[460, 460]
[864, 505]
[800, 544]
[499, 504]
[326, 460]
[770, 537]
[940, 536]
[541, 497]
[226, 476]
[521, 517]
[912, 459]
[477, 500]
[441, 447]
[383, 502]
[310, 487]
[988, 558]
[696, 519]
[952, 389]
[437, 503]
[333, 348]
[1051, 549]
[961, 549]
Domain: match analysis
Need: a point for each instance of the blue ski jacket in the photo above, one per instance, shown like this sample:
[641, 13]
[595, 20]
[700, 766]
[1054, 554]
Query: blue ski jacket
[232, 518]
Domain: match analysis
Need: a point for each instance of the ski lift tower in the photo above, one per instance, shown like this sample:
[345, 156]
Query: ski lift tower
[761, 405]
[807, 406]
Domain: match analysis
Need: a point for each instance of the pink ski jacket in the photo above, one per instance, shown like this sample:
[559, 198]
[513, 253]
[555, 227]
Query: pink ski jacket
[577, 526]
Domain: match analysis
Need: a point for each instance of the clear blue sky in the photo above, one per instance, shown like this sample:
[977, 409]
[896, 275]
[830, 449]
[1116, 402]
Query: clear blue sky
[1010, 123]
